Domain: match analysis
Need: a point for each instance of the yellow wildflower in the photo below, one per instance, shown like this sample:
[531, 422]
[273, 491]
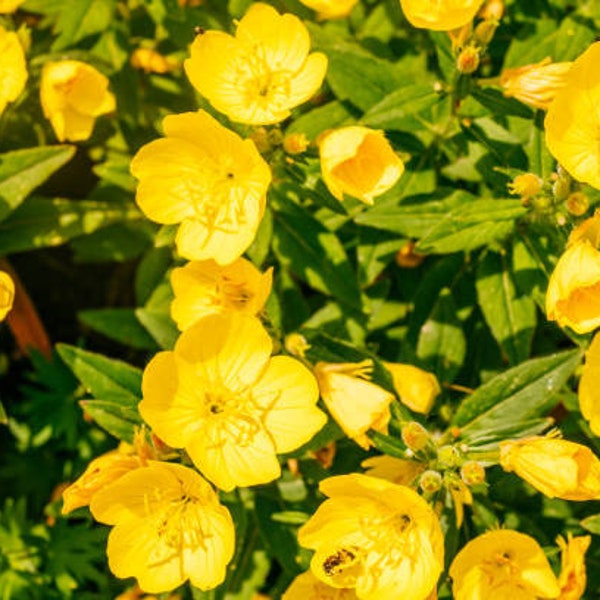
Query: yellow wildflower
[416, 388]
[220, 395]
[556, 467]
[535, 85]
[572, 121]
[7, 294]
[9, 6]
[203, 287]
[358, 161]
[168, 527]
[151, 61]
[307, 587]
[207, 178]
[396, 470]
[440, 15]
[73, 94]
[502, 564]
[573, 296]
[13, 68]
[353, 401]
[573, 577]
[589, 399]
[263, 72]
[331, 9]
[375, 536]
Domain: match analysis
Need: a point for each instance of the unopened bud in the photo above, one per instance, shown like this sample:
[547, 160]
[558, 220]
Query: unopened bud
[484, 32]
[296, 344]
[431, 481]
[295, 143]
[459, 36]
[561, 188]
[415, 436]
[492, 10]
[472, 472]
[260, 137]
[468, 60]
[526, 185]
[448, 456]
[577, 204]
[407, 258]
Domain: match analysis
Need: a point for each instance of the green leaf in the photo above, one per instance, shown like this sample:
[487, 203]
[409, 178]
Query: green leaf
[500, 105]
[442, 345]
[41, 222]
[312, 252]
[511, 317]
[105, 378]
[120, 324]
[159, 325]
[592, 524]
[314, 122]
[117, 418]
[520, 394]
[81, 18]
[21, 171]
[401, 109]
[470, 226]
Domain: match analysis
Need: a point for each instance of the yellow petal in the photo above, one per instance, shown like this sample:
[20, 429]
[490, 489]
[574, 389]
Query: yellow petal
[7, 294]
[440, 15]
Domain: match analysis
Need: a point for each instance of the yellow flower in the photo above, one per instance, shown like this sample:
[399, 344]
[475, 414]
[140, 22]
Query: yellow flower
[9, 6]
[263, 72]
[73, 94]
[7, 294]
[207, 178]
[573, 120]
[380, 538]
[220, 395]
[440, 15]
[556, 467]
[13, 68]
[396, 470]
[353, 401]
[331, 9]
[502, 564]
[168, 527]
[203, 287]
[526, 185]
[358, 161]
[589, 399]
[573, 578]
[307, 587]
[573, 296]
[417, 388]
[535, 85]
[151, 61]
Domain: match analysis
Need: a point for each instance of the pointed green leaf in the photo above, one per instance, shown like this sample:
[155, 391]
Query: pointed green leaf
[510, 316]
[118, 419]
[21, 171]
[119, 324]
[81, 18]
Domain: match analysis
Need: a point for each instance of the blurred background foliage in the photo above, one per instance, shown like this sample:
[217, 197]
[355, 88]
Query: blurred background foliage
[447, 271]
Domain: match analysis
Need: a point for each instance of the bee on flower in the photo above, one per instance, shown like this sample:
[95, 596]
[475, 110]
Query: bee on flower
[206, 178]
[259, 75]
[377, 537]
[233, 407]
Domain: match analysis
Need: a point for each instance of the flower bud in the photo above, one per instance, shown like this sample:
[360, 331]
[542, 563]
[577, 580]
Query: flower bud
[296, 344]
[295, 143]
[577, 204]
[472, 472]
[492, 10]
[417, 388]
[448, 456]
[431, 481]
[415, 436]
[526, 185]
[468, 60]
[484, 32]
[407, 258]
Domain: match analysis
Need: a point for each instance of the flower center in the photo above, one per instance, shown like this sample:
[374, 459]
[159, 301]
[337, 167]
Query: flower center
[235, 294]
[181, 526]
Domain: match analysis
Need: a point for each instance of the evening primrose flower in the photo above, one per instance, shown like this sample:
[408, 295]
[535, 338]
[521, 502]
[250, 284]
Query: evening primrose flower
[358, 161]
[220, 395]
[73, 94]
[169, 526]
[7, 294]
[380, 538]
[589, 392]
[416, 388]
[535, 85]
[502, 564]
[353, 400]
[572, 121]
[573, 295]
[331, 9]
[205, 177]
[13, 68]
[440, 15]
[203, 287]
[263, 72]
[307, 587]
[556, 467]
[573, 577]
